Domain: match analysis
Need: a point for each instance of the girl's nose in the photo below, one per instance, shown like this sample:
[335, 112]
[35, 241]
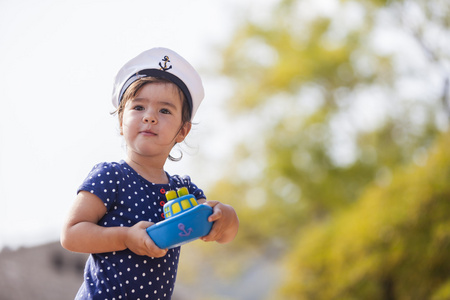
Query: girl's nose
[150, 119]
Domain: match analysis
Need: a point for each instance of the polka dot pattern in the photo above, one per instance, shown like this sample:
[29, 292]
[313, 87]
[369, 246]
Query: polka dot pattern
[129, 199]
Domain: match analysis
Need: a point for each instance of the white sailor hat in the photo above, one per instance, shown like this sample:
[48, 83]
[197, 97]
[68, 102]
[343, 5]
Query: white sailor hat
[163, 63]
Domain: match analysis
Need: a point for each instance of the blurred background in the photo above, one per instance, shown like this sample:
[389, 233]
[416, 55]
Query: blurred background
[325, 124]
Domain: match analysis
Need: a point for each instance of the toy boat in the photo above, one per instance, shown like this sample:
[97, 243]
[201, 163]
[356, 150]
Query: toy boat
[186, 220]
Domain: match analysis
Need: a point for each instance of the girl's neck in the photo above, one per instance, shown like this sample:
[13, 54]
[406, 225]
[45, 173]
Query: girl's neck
[150, 172]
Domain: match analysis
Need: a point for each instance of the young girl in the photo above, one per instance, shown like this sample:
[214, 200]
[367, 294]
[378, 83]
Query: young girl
[156, 95]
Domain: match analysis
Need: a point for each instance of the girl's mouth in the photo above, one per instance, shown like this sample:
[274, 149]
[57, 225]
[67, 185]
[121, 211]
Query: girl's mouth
[147, 133]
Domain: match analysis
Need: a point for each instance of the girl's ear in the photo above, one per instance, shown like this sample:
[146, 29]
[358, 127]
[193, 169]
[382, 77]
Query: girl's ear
[184, 131]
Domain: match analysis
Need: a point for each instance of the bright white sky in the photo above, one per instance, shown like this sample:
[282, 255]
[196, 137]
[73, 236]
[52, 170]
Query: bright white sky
[57, 63]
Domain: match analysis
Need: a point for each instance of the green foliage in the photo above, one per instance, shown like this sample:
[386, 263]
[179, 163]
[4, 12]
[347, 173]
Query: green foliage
[392, 244]
[302, 64]
[294, 54]
[355, 223]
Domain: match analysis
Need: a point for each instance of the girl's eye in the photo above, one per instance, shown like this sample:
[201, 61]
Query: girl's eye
[138, 107]
[165, 111]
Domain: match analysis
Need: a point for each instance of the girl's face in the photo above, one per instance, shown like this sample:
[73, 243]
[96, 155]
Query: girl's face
[151, 123]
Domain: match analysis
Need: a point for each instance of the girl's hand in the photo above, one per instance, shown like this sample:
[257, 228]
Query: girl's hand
[226, 223]
[139, 242]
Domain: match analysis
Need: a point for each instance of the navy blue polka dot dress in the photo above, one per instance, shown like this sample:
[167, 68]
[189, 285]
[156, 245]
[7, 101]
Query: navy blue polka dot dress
[129, 199]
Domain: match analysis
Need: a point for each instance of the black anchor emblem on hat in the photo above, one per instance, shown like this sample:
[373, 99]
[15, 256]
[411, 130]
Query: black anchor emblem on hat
[165, 60]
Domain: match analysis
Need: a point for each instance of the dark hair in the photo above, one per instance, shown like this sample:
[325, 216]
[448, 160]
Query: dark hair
[136, 86]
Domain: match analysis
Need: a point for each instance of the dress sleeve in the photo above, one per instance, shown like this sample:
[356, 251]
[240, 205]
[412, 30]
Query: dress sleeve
[104, 181]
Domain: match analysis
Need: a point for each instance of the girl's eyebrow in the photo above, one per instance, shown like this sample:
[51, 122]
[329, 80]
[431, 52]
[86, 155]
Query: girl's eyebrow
[137, 100]
[173, 106]
[165, 103]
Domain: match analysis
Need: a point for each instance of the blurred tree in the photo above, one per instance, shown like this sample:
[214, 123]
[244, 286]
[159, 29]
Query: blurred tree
[339, 94]
[337, 97]
[392, 244]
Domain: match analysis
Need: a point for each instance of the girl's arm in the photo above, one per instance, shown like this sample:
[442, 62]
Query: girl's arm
[226, 222]
[82, 234]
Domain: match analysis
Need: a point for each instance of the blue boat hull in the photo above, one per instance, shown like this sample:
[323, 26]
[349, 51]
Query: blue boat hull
[183, 228]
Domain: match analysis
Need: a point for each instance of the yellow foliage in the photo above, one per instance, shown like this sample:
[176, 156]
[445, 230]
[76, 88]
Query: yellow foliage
[393, 242]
